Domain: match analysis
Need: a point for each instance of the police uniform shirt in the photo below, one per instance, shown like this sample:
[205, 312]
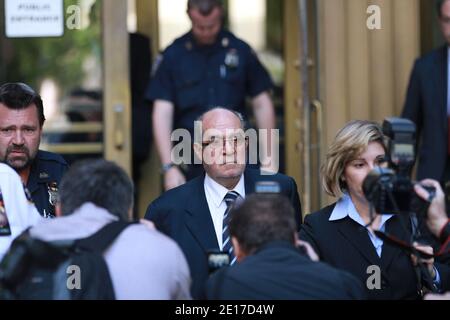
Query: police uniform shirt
[197, 78]
[46, 173]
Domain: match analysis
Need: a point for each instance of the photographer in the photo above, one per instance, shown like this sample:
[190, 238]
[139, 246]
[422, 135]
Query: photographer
[343, 234]
[270, 266]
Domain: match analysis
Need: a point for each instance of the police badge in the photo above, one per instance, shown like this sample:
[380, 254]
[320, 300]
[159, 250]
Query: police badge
[232, 59]
[52, 188]
[5, 229]
[52, 193]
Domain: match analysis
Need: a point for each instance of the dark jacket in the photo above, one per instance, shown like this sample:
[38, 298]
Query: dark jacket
[281, 271]
[183, 214]
[344, 244]
[426, 106]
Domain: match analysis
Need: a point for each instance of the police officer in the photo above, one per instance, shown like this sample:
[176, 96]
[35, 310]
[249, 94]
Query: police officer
[21, 121]
[205, 68]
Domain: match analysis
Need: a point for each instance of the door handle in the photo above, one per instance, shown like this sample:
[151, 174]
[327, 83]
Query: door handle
[119, 136]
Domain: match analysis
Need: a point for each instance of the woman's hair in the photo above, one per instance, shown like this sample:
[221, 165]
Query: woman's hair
[350, 141]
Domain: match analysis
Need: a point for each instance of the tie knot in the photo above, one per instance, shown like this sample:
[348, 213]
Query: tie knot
[230, 198]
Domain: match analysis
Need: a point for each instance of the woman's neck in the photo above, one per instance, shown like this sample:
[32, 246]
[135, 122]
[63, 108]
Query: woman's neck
[363, 209]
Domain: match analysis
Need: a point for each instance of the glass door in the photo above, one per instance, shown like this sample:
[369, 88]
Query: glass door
[76, 75]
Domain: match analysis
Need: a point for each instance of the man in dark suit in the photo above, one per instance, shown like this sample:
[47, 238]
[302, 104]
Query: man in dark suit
[271, 264]
[195, 214]
[428, 105]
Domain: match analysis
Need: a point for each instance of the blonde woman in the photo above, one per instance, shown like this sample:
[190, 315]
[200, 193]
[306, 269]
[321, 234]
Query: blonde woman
[343, 233]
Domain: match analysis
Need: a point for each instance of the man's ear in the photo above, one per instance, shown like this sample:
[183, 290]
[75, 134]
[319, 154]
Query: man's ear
[58, 210]
[238, 252]
[198, 150]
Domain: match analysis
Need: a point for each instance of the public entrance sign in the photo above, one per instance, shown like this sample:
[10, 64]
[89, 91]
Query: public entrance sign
[34, 18]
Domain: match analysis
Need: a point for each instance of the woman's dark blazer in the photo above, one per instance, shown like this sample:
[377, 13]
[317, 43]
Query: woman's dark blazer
[346, 245]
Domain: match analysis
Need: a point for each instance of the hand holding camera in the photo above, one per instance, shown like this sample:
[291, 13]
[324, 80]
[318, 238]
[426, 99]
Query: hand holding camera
[436, 216]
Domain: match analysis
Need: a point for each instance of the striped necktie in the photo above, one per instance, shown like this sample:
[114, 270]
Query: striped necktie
[229, 199]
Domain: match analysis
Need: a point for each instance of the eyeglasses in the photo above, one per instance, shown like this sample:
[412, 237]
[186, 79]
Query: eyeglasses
[221, 142]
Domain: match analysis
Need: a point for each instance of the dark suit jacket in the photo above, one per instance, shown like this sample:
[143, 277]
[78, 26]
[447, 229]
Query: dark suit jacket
[426, 106]
[280, 271]
[344, 244]
[183, 214]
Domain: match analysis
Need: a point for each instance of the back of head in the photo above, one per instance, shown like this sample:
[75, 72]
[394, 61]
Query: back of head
[100, 182]
[205, 7]
[261, 219]
[19, 96]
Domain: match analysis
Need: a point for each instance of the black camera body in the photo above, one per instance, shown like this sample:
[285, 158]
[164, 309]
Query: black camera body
[390, 190]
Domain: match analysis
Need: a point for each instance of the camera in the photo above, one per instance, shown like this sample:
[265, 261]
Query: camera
[390, 190]
[217, 260]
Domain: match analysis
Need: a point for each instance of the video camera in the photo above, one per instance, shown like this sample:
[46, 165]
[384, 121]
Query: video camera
[390, 190]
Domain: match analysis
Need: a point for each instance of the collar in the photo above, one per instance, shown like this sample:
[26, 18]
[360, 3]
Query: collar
[345, 208]
[277, 244]
[216, 192]
[37, 174]
[83, 222]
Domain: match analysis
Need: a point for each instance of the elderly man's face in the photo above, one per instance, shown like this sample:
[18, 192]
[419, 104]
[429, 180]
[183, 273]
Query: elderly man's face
[444, 20]
[223, 148]
[206, 28]
[20, 135]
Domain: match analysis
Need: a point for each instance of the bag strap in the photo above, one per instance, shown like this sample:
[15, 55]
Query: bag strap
[99, 241]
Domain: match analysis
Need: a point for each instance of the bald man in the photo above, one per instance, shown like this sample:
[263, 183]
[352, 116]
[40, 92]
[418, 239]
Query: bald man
[195, 214]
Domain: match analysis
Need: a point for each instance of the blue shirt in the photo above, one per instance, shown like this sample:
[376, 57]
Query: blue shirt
[197, 78]
[345, 207]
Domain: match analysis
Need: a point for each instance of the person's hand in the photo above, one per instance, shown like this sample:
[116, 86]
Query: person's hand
[173, 178]
[309, 250]
[444, 296]
[429, 263]
[436, 215]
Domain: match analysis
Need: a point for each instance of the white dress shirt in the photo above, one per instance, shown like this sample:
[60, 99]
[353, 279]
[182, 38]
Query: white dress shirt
[215, 193]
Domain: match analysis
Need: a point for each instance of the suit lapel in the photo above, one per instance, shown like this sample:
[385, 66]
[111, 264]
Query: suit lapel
[357, 236]
[395, 227]
[198, 218]
[441, 79]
